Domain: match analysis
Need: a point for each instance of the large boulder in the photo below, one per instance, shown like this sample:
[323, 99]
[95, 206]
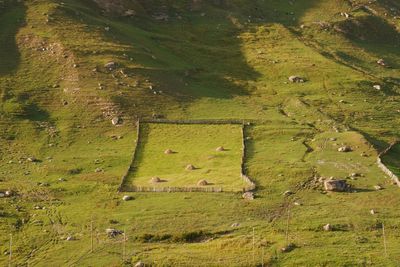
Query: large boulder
[336, 185]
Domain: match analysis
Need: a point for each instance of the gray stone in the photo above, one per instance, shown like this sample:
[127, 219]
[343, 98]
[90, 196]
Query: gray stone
[327, 227]
[116, 121]
[127, 198]
[381, 62]
[344, 149]
[202, 183]
[111, 65]
[113, 232]
[288, 193]
[378, 187]
[336, 185]
[296, 79]
[139, 264]
[248, 195]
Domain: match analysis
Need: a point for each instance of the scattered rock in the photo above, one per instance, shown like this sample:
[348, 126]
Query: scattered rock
[288, 248]
[168, 152]
[202, 183]
[248, 195]
[372, 212]
[220, 149]
[129, 13]
[288, 193]
[327, 227]
[139, 264]
[296, 203]
[127, 198]
[111, 65]
[113, 232]
[98, 170]
[116, 121]
[378, 187]
[333, 139]
[190, 167]
[381, 62]
[345, 149]
[336, 185]
[296, 79]
[346, 15]
[70, 238]
[31, 159]
[234, 225]
[377, 87]
[155, 180]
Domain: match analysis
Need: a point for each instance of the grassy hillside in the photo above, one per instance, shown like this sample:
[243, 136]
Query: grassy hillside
[63, 159]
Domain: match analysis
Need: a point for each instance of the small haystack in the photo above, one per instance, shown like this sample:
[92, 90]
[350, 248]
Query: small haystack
[202, 183]
[168, 152]
[155, 180]
[190, 167]
[220, 149]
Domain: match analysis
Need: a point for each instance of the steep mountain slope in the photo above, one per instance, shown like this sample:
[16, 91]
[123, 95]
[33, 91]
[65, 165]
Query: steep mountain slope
[67, 68]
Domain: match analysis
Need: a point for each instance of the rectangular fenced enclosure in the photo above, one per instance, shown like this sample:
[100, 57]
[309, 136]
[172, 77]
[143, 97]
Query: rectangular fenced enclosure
[188, 157]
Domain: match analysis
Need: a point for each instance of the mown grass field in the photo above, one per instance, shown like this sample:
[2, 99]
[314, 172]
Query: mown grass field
[207, 61]
[194, 145]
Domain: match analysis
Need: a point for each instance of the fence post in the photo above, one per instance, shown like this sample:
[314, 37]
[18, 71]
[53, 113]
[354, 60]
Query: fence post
[384, 239]
[287, 225]
[254, 256]
[10, 252]
[91, 235]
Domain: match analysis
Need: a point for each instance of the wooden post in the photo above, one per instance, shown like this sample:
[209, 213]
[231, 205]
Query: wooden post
[287, 226]
[124, 249]
[262, 256]
[91, 235]
[10, 252]
[254, 256]
[384, 240]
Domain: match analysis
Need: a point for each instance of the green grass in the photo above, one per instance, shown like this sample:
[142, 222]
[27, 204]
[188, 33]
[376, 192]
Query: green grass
[192, 145]
[217, 61]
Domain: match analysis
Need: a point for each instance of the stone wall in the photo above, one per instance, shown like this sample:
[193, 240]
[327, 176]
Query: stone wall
[385, 169]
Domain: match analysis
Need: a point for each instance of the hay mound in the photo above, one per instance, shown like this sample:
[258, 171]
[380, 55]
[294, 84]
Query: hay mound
[168, 152]
[155, 180]
[220, 149]
[202, 183]
[190, 167]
